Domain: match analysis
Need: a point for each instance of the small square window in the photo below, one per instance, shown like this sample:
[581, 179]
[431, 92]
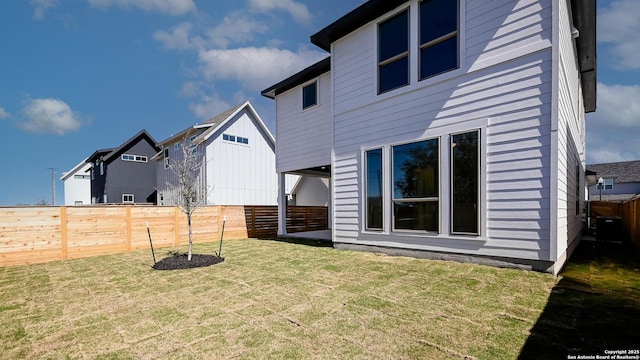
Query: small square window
[225, 137]
[176, 146]
[232, 138]
[310, 95]
[127, 198]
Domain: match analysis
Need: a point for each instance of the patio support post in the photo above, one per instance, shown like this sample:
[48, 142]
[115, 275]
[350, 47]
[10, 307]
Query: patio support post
[282, 204]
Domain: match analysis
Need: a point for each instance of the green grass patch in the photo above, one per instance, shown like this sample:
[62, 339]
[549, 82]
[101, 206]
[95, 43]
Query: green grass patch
[282, 299]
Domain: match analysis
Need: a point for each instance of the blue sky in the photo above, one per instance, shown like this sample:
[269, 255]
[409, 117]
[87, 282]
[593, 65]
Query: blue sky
[79, 75]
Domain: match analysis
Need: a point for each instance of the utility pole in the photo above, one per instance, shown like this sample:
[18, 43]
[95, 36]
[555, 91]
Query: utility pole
[53, 186]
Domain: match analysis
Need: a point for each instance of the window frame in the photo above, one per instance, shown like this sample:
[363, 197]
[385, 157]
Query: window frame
[316, 101]
[433, 42]
[132, 201]
[134, 158]
[478, 180]
[437, 199]
[382, 189]
[606, 185]
[400, 56]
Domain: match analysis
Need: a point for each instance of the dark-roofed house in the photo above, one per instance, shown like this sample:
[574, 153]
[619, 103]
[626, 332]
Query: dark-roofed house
[125, 174]
[450, 129]
[238, 155]
[620, 181]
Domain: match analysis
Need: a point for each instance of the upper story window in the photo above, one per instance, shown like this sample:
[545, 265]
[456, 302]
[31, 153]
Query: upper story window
[236, 139]
[310, 95]
[393, 52]
[136, 158]
[438, 37]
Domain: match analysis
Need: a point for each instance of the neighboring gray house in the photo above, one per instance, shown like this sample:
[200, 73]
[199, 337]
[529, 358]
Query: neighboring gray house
[447, 129]
[620, 181]
[125, 175]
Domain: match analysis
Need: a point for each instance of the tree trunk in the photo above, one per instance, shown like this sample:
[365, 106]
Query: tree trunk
[190, 237]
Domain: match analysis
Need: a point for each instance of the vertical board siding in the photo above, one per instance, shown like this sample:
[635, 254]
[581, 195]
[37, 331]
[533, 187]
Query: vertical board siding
[241, 174]
[303, 136]
[504, 86]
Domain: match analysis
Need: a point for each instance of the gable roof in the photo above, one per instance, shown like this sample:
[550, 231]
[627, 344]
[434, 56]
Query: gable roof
[109, 154]
[74, 170]
[226, 116]
[584, 19]
[299, 78]
[98, 154]
[621, 172]
[211, 125]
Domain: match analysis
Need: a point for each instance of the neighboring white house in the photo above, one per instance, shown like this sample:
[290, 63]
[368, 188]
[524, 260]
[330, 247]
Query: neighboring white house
[77, 185]
[238, 153]
[448, 129]
[309, 191]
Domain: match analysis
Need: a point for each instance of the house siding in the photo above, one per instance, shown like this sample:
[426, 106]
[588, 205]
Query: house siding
[304, 136]
[78, 189]
[503, 87]
[241, 174]
[570, 136]
[129, 177]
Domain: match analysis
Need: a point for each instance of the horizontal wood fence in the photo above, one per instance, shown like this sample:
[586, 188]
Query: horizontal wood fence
[39, 234]
[629, 211]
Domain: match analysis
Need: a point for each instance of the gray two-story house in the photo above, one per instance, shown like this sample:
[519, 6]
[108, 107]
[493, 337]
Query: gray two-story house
[125, 174]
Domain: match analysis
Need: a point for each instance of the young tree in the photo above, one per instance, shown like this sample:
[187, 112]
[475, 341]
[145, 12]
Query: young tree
[187, 191]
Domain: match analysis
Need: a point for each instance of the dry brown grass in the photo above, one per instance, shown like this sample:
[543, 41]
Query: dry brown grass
[269, 299]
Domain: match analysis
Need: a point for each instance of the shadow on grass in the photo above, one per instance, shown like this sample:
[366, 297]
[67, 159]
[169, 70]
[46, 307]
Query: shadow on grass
[303, 241]
[593, 308]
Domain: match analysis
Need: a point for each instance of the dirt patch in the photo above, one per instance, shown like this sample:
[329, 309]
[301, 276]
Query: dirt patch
[179, 261]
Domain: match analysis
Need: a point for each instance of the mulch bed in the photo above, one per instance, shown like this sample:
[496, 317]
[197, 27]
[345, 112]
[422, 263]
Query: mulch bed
[179, 261]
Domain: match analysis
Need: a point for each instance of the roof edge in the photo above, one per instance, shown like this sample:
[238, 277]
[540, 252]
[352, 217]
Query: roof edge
[315, 70]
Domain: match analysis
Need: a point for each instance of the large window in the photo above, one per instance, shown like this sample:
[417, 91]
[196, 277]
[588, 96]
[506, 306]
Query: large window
[310, 95]
[374, 189]
[464, 182]
[438, 37]
[393, 52]
[416, 189]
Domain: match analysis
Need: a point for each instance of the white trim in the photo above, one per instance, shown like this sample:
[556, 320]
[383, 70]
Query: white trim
[128, 201]
[308, 83]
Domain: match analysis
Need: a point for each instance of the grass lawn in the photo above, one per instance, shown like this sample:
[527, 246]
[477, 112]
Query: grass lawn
[274, 299]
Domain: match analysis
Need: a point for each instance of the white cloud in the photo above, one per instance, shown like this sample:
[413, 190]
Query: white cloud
[177, 38]
[41, 6]
[209, 106]
[169, 7]
[49, 116]
[298, 11]
[3, 113]
[618, 25]
[613, 131]
[235, 27]
[255, 68]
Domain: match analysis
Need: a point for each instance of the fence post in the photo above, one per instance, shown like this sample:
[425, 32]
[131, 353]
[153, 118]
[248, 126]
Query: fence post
[63, 232]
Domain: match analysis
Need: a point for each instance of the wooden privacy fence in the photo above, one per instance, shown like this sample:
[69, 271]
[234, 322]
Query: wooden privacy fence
[629, 212]
[39, 234]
